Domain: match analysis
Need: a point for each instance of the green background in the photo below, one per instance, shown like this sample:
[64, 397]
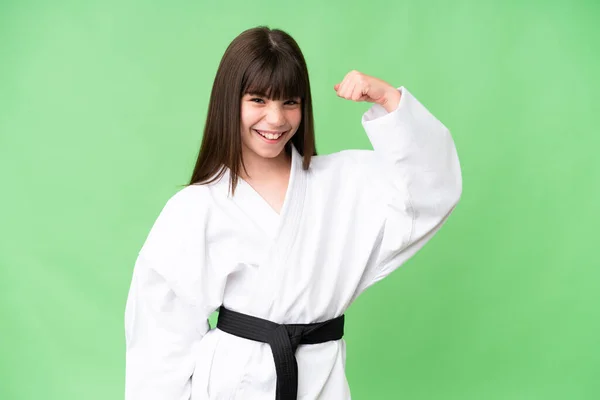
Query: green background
[102, 106]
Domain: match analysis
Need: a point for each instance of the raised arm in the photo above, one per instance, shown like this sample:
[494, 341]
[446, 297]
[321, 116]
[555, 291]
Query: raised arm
[414, 172]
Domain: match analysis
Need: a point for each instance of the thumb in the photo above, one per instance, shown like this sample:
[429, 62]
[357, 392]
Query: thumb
[337, 85]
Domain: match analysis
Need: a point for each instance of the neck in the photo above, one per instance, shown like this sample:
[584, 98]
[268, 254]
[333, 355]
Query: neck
[265, 169]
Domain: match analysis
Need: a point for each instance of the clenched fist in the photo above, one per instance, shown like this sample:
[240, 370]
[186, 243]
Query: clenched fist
[357, 86]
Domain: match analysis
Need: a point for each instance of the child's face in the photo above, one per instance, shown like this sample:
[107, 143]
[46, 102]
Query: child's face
[273, 116]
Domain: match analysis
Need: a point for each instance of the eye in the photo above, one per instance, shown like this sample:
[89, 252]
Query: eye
[292, 102]
[257, 100]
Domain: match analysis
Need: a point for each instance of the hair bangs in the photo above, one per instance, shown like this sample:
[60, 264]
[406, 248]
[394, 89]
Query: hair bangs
[275, 77]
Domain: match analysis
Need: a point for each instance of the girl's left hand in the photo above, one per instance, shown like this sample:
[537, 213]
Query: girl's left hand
[357, 86]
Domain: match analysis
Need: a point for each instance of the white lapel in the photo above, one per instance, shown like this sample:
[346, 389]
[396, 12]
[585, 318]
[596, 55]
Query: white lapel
[291, 211]
[262, 215]
[281, 228]
[289, 224]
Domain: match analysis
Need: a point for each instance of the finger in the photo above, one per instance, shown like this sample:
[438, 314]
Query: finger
[352, 91]
[347, 83]
[351, 84]
[342, 88]
[357, 92]
[336, 87]
[349, 90]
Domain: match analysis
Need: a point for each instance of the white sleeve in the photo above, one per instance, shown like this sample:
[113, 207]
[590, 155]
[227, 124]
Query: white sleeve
[415, 180]
[169, 301]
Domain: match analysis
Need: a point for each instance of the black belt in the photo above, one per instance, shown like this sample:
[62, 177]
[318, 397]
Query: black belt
[283, 339]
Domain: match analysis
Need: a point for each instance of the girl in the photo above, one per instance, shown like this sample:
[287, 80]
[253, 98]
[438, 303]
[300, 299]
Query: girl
[278, 239]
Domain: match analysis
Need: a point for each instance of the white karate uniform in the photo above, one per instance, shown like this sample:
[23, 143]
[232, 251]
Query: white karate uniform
[346, 223]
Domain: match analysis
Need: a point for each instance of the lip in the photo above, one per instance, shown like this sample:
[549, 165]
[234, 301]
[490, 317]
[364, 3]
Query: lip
[272, 132]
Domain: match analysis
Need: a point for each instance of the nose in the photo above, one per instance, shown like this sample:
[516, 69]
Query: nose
[275, 115]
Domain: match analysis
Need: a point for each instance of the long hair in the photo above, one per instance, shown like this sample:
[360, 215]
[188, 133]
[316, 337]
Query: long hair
[261, 61]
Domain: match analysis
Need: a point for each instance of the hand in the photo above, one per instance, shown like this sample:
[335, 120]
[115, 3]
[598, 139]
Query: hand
[357, 86]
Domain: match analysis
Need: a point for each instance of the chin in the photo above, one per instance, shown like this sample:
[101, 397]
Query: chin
[265, 150]
[272, 153]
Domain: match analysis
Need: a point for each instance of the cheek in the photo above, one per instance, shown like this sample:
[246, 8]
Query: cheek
[249, 118]
[295, 117]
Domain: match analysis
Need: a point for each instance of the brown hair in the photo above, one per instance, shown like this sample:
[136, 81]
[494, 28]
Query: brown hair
[259, 61]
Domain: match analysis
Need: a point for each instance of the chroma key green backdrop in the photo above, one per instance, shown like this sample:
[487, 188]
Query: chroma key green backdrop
[102, 105]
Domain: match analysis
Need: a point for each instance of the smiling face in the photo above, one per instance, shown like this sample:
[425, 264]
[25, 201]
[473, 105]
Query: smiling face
[267, 125]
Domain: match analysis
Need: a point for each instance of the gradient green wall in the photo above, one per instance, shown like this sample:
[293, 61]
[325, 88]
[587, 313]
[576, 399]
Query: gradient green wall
[102, 106]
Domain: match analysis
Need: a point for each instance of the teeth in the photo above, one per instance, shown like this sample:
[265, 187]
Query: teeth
[270, 136]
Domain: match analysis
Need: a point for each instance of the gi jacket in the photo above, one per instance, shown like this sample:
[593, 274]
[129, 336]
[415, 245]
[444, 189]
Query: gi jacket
[346, 223]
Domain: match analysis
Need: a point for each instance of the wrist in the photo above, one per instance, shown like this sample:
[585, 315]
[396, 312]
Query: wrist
[392, 99]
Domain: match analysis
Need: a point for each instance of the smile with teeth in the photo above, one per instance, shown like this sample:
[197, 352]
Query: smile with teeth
[270, 136]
